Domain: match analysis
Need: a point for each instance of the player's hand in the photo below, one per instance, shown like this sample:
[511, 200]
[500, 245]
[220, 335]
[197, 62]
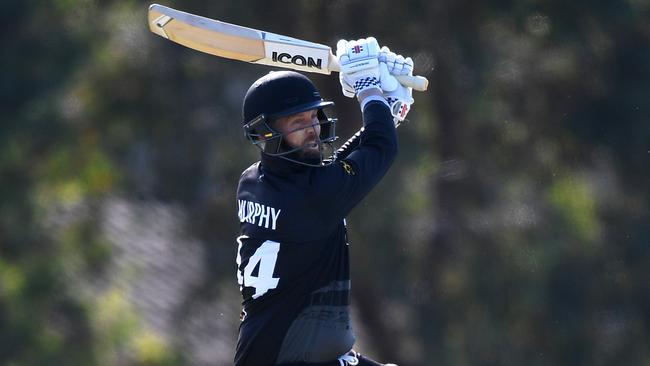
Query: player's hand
[359, 65]
[397, 64]
[399, 97]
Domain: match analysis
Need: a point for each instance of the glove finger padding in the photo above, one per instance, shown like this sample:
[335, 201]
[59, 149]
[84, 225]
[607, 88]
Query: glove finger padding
[359, 65]
[385, 55]
[397, 64]
[408, 67]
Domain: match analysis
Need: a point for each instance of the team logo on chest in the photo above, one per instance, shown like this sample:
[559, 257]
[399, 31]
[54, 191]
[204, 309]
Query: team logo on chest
[258, 214]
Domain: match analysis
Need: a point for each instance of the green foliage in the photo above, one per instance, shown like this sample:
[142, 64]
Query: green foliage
[119, 331]
[576, 206]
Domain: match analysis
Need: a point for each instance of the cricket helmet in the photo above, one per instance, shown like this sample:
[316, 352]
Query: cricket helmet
[280, 94]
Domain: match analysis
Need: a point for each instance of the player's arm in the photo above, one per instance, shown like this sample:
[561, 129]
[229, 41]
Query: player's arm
[348, 181]
[399, 98]
[368, 156]
[348, 146]
[361, 77]
[353, 142]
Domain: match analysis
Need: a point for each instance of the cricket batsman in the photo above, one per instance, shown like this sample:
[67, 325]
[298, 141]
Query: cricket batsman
[293, 265]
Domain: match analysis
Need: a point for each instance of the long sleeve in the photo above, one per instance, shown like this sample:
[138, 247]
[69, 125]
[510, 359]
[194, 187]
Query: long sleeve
[362, 163]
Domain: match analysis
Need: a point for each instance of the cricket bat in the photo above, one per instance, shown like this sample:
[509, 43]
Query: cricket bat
[250, 45]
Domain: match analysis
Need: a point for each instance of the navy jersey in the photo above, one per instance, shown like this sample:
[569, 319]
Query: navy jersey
[293, 263]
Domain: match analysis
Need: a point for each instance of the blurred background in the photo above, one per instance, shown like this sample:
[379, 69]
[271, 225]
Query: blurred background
[513, 229]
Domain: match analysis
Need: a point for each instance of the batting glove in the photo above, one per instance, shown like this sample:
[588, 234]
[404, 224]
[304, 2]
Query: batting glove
[359, 65]
[399, 97]
[397, 64]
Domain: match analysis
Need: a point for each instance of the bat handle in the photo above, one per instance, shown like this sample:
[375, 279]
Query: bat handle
[419, 83]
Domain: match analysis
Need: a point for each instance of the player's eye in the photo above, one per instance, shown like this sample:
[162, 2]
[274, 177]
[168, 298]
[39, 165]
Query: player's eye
[298, 122]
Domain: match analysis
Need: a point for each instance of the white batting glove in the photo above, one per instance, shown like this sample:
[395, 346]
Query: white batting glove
[359, 65]
[397, 64]
[399, 97]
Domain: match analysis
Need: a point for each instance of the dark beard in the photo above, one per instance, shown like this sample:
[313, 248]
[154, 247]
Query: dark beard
[309, 154]
[313, 157]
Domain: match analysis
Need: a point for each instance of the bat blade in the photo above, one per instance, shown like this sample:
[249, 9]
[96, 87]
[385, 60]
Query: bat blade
[250, 45]
[236, 42]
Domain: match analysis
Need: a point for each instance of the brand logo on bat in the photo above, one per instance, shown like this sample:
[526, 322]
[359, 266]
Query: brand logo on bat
[297, 60]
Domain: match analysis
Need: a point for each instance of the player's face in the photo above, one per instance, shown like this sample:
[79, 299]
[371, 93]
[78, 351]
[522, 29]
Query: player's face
[301, 130]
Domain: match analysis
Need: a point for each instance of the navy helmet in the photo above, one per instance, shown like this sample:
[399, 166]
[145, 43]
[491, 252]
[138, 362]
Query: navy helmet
[280, 94]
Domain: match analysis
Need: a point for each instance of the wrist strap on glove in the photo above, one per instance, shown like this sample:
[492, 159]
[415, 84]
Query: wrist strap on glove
[399, 109]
